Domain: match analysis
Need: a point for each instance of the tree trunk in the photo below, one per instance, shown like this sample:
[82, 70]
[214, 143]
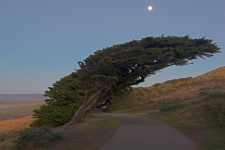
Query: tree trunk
[83, 110]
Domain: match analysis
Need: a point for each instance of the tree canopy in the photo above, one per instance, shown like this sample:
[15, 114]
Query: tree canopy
[128, 64]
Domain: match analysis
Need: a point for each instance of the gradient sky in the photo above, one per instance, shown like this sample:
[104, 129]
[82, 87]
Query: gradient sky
[41, 41]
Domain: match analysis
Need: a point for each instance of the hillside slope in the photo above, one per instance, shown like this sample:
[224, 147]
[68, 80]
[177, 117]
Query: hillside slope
[187, 87]
[217, 73]
[178, 88]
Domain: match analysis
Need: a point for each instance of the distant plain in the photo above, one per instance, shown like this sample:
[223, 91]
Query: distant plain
[18, 108]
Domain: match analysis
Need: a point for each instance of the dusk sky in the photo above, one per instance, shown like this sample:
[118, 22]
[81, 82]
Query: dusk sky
[42, 40]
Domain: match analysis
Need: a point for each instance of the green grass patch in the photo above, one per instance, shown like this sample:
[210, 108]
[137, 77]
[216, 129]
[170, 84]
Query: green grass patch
[214, 140]
[108, 122]
[170, 104]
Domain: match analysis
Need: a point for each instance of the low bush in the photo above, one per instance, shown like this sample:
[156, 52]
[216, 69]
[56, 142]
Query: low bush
[64, 98]
[37, 138]
[204, 97]
[55, 113]
[211, 105]
[169, 104]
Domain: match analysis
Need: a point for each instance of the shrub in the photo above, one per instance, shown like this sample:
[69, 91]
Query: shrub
[151, 101]
[204, 97]
[54, 113]
[211, 105]
[170, 104]
[65, 97]
[37, 138]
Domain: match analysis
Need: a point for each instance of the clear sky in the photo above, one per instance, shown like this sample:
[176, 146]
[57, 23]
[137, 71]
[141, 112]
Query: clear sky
[41, 41]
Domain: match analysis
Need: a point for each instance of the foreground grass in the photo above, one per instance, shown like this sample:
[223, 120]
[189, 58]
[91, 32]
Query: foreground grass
[33, 138]
[9, 130]
[208, 136]
[91, 134]
[94, 132]
[13, 121]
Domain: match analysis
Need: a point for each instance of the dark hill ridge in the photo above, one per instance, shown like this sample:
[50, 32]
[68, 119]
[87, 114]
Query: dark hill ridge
[21, 96]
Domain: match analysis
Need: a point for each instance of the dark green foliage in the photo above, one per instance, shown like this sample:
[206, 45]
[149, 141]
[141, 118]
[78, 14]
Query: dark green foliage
[54, 113]
[203, 97]
[37, 138]
[67, 88]
[66, 95]
[123, 65]
[170, 104]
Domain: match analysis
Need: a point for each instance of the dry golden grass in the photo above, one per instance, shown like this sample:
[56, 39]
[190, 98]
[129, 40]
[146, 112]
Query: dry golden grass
[10, 128]
[16, 124]
[217, 73]
[177, 88]
[186, 87]
[15, 119]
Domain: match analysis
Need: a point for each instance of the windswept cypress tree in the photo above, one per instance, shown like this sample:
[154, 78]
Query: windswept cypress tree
[118, 67]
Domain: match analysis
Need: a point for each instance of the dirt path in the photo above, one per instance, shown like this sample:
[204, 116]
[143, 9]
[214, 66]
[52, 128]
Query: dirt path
[139, 133]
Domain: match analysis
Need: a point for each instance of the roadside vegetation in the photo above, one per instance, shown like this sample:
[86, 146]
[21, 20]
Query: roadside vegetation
[201, 118]
[15, 133]
[32, 138]
[80, 137]
[91, 134]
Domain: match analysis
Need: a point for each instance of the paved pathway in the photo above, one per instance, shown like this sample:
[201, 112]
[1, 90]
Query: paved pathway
[140, 133]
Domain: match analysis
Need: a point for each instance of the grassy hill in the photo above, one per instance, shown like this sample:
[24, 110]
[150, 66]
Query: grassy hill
[183, 88]
[187, 87]
[195, 106]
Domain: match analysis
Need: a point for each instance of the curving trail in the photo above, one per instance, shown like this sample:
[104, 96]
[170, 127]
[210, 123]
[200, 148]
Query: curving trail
[140, 133]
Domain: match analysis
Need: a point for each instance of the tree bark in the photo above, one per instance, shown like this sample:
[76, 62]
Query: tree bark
[83, 110]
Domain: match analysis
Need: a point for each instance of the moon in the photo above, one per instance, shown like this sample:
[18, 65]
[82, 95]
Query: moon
[150, 8]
